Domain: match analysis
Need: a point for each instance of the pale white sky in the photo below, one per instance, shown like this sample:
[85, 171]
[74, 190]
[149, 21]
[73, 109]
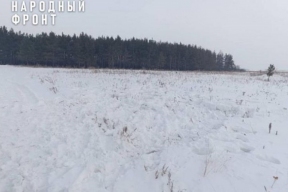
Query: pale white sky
[255, 32]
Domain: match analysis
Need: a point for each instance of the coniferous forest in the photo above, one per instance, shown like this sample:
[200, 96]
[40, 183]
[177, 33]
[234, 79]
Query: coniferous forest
[84, 51]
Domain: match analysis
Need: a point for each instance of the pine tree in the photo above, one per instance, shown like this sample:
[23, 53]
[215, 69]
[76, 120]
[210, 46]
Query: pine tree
[270, 71]
[220, 61]
[229, 62]
[26, 51]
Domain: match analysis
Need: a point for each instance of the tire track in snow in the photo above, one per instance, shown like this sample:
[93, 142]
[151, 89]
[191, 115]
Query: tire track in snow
[26, 93]
[9, 103]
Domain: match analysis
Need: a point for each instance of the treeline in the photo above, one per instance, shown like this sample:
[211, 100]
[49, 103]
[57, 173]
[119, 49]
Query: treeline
[84, 51]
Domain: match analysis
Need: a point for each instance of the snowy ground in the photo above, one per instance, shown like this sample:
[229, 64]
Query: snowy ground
[129, 131]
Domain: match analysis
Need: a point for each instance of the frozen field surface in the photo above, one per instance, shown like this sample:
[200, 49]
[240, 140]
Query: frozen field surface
[67, 130]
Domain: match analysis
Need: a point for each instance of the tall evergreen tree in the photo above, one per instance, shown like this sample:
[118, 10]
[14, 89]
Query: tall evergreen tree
[229, 62]
[26, 51]
[220, 61]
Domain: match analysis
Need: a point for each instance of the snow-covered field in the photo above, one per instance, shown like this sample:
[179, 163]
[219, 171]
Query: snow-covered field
[133, 131]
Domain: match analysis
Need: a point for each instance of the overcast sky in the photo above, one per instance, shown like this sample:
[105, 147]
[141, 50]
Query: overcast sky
[255, 32]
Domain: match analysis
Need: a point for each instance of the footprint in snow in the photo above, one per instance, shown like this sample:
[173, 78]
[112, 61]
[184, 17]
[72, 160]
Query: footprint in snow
[242, 138]
[269, 159]
[202, 148]
[246, 148]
